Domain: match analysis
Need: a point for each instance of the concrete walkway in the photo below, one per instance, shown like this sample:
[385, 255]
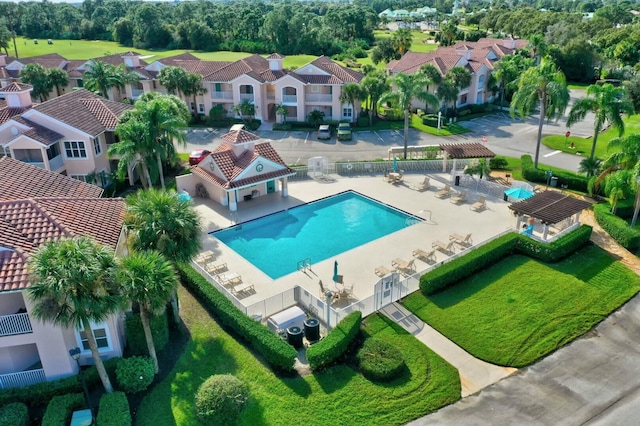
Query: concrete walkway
[475, 374]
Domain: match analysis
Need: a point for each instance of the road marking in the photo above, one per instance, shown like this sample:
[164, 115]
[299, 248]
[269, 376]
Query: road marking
[376, 133]
[307, 137]
[284, 135]
[552, 153]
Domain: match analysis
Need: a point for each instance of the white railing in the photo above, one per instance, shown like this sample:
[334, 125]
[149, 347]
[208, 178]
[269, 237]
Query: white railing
[247, 97]
[55, 163]
[22, 378]
[222, 95]
[315, 97]
[291, 99]
[36, 163]
[15, 324]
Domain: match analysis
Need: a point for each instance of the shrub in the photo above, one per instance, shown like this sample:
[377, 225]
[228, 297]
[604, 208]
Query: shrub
[135, 374]
[556, 250]
[464, 113]
[430, 120]
[61, 408]
[497, 163]
[379, 360]
[220, 399]
[282, 126]
[571, 180]
[14, 414]
[136, 340]
[618, 228]
[329, 349]
[275, 351]
[114, 410]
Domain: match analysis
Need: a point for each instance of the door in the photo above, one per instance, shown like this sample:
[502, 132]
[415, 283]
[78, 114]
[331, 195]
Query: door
[384, 292]
[271, 186]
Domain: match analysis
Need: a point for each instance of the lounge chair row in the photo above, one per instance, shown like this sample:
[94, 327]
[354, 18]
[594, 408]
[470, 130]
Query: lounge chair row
[456, 198]
[450, 247]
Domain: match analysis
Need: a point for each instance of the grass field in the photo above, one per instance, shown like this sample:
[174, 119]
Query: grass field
[520, 310]
[338, 395]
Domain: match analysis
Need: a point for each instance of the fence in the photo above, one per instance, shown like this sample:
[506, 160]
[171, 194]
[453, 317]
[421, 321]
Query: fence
[15, 324]
[22, 378]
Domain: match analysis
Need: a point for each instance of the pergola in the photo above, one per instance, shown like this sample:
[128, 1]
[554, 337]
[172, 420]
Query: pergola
[464, 151]
[550, 207]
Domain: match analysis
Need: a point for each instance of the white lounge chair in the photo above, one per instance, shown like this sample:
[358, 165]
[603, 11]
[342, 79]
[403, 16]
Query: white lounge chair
[425, 256]
[422, 186]
[444, 247]
[444, 192]
[459, 198]
[382, 271]
[479, 205]
[406, 268]
[463, 240]
[215, 269]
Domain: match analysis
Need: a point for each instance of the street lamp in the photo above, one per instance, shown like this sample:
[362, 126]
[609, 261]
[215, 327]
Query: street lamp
[635, 212]
[75, 354]
[439, 118]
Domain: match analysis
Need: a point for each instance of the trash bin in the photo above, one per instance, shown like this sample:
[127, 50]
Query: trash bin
[294, 336]
[505, 197]
[554, 181]
[457, 180]
[312, 329]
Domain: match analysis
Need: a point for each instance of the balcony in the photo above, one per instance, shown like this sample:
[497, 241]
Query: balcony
[222, 95]
[247, 97]
[15, 324]
[136, 93]
[271, 96]
[56, 163]
[22, 378]
[319, 97]
[290, 99]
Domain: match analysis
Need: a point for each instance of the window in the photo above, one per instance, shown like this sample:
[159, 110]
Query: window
[192, 106]
[75, 149]
[103, 178]
[347, 112]
[463, 99]
[81, 178]
[97, 147]
[53, 151]
[101, 334]
[218, 87]
[201, 108]
[315, 89]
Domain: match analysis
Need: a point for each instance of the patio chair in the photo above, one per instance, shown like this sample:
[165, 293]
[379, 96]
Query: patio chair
[406, 268]
[444, 247]
[459, 198]
[382, 271]
[463, 240]
[243, 290]
[422, 186]
[215, 269]
[444, 192]
[479, 205]
[229, 279]
[346, 292]
[425, 256]
[205, 257]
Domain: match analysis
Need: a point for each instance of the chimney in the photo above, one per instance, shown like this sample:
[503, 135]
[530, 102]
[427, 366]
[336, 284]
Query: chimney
[17, 95]
[275, 62]
[131, 60]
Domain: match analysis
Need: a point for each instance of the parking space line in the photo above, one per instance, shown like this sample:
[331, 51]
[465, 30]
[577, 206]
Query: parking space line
[376, 133]
[306, 137]
[284, 135]
[552, 153]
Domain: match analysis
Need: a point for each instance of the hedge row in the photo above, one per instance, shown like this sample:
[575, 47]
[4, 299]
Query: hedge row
[336, 343]
[558, 249]
[114, 410]
[617, 227]
[276, 351]
[571, 180]
[41, 393]
[136, 340]
[14, 414]
[61, 408]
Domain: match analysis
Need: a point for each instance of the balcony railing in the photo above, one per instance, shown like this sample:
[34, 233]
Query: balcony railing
[35, 163]
[291, 99]
[55, 163]
[15, 324]
[271, 96]
[22, 378]
[136, 93]
[319, 97]
[222, 95]
[247, 97]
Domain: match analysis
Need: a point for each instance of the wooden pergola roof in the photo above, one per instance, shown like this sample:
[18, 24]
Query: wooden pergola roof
[550, 206]
[467, 150]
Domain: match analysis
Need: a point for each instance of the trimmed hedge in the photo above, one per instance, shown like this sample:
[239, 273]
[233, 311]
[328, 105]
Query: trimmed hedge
[275, 351]
[136, 340]
[14, 414]
[61, 408]
[379, 360]
[114, 410]
[617, 227]
[573, 181]
[135, 374]
[329, 349]
[558, 249]
[220, 399]
[430, 120]
[41, 393]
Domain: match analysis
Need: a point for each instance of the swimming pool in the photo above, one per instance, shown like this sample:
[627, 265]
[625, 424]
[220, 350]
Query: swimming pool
[316, 231]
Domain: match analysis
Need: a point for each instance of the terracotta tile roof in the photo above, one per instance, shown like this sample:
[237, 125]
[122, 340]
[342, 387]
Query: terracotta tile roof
[266, 150]
[72, 68]
[239, 137]
[411, 62]
[270, 75]
[37, 132]
[3, 103]
[275, 56]
[344, 74]
[550, 206]
[25, 224]
[186, 56]
[21, 180]
[84, 110]
[7, 113]
[319, 79]
[15, 87]
[195, 66]
[252, 65]
[467, 150]
[116, 58]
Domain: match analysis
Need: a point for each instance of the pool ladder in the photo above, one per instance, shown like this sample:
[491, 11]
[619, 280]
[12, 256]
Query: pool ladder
[304, 264]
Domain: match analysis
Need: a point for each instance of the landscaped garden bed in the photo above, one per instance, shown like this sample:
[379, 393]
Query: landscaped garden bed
[521, 309]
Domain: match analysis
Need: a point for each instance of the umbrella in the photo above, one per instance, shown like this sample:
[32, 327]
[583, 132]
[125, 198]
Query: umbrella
[335, 271]
[519, 193]
[395, 164]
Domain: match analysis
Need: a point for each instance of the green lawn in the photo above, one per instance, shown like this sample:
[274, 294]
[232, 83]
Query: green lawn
[578, 86]
[339, 395]
[521, 310]
[583, 145]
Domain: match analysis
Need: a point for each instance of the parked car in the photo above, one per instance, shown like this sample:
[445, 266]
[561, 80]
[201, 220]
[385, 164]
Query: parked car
[324, 131]
[344, 132]
[197, 156]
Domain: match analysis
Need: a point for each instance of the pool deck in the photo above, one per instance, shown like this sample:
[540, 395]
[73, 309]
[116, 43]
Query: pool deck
[357, 266]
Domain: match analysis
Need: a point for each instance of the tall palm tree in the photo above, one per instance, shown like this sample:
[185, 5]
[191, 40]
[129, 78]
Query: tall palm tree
[607, 103]
[160, 220]
[37, 76]
[507, 72]
[618, 186]
[431, 75]
[58, 78]
[401, 40]
[538, 47]
[133, 149]
[447, 92]
[590, 166]
[171, 78]
[282, 110]
[546, 87]
[628, 155]
[101, 77]
[192, 86]
[125, 76]
[351, 93]
[460, 78]
[407, 88]
[149, 280]
[74, 284]
[374, 85]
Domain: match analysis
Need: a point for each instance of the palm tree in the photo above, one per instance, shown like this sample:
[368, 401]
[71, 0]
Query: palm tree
[590, 166]
[447, 92]
[74, 284]
[101, 77]
[408, 88]
[315, 117]
[607, 103]
[172, 79]
[538, 47]
[58, 78]
[192, 86]
[244, 108]
[133, 148]
[159, 220]
[617, 186]
[351, 93]
[401, 40]
[628, 155]
[282, 110]
[124, 76]
[431, 76]
[480, 168]
[374, 85]
[460, 78]
[508, 71]
[37, 76]
[545, 86]
[149, 280]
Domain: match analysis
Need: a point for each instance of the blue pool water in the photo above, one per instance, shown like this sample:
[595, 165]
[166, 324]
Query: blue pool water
[317, 230]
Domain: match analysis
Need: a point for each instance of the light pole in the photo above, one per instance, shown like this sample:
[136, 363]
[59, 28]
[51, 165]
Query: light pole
[439, 118]
[75, 354]
[635, 212]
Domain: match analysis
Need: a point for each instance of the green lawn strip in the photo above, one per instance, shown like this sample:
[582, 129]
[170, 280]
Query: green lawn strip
[521, 310]
[445, 129]
[578, 86]
[339, 395]
[583, 145]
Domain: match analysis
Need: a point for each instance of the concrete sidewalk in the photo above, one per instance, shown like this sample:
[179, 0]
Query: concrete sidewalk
[475, 374]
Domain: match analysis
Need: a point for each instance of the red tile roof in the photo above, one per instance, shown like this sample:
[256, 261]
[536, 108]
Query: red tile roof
[7, 113]
[20, 180]
[275, 56]
[239, 137]
[16, 87]
[343, 74]
[37, 132]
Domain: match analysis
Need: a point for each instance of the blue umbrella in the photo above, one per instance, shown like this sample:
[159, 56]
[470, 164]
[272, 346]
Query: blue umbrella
[395, 163]
[335, 271]
[519, 193]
